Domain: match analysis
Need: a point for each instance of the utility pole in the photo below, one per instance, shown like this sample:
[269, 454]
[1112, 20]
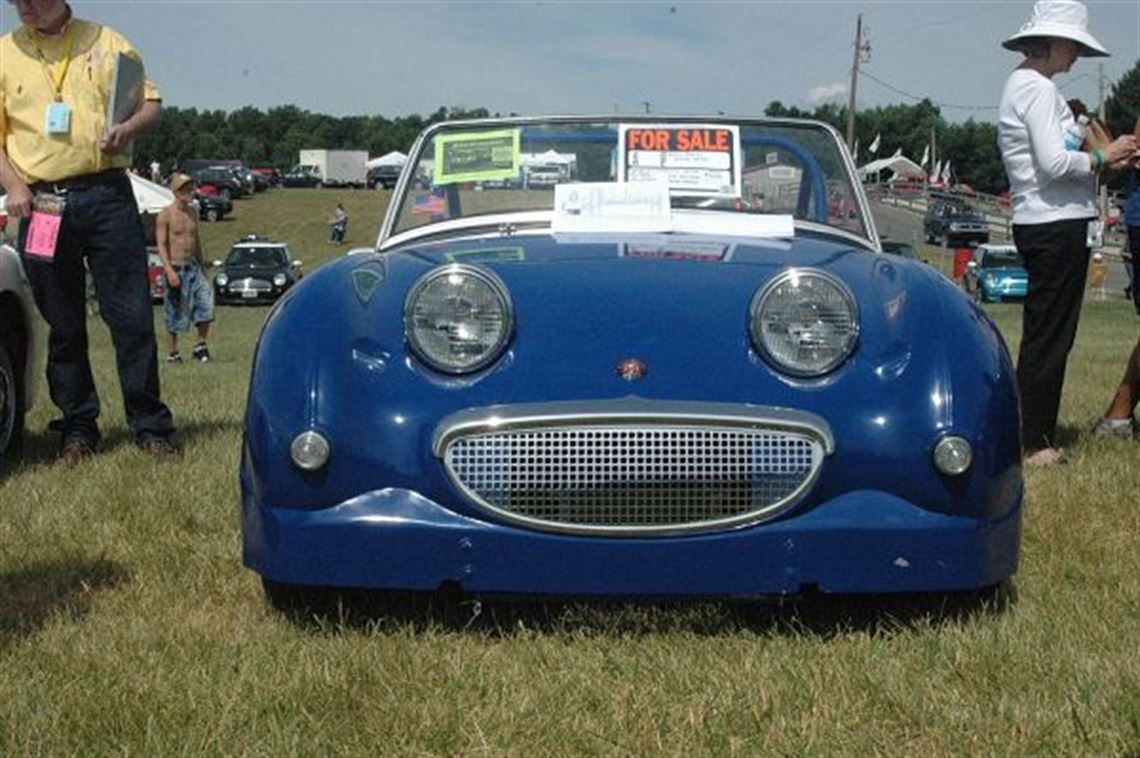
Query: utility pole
[1100, 90]
[854, 83]
[646, 104]
[1102, 188]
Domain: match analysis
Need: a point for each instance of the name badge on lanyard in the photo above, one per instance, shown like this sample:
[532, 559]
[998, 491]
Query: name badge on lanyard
[57, 120]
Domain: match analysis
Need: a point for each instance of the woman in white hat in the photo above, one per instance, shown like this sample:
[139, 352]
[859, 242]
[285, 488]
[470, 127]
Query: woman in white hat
[1053, 196]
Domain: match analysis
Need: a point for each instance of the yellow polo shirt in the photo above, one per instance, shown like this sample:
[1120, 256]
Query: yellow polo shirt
[26, 91]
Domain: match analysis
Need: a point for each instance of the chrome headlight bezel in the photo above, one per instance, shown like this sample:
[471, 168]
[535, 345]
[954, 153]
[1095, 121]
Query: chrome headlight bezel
[279, 280]
[222, 279]
[756, 320]
[498, 291]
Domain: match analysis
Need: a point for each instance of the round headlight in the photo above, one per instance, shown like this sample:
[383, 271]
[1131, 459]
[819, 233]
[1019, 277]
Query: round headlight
[458, 318]
[953, 456]
[279, 280]
[309, 451]
[221, 280]
[804, 322]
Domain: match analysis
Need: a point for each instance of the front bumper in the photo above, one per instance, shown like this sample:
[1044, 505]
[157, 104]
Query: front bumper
[996, 292]
[863, 541]
[228, 294]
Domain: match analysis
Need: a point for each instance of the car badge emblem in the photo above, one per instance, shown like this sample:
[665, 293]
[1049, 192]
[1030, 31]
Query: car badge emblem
[632, 370]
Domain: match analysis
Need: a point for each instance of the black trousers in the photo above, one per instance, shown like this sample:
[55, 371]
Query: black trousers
[101, 226]
[1056, 255]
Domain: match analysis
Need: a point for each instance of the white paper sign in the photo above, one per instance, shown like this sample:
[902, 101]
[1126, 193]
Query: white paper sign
[610, 207]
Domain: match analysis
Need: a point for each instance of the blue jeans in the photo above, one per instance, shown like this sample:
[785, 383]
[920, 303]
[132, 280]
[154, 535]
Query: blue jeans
[101, 226]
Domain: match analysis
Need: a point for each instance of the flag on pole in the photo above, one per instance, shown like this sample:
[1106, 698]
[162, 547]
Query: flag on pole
[854, 154]
[946, 173]
[936, 173]
[925, 156]
[874, 146]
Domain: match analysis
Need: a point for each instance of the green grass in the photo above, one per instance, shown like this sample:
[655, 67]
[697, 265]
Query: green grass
[128, 625]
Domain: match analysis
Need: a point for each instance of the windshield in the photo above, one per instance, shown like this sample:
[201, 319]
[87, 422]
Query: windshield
[468, 170]
[1001, 260]
[262, 257]
[961, 211]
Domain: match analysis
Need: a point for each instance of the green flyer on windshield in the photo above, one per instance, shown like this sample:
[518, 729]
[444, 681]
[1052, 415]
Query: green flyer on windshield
[476, 156]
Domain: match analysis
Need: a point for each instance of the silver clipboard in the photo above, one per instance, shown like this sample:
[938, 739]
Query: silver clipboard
[126, 89]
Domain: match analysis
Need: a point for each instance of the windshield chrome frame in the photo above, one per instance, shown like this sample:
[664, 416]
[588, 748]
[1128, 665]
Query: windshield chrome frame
[388, 238]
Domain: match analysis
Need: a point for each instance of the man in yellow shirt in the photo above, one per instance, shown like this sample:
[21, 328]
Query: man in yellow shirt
[63, 167]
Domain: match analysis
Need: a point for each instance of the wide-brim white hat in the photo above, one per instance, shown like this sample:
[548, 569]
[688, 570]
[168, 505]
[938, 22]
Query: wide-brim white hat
[1067, 19]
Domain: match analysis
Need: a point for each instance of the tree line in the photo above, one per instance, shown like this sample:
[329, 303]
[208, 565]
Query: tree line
[274, 137]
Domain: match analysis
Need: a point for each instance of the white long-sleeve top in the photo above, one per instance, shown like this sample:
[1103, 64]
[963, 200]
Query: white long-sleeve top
[1046, 181]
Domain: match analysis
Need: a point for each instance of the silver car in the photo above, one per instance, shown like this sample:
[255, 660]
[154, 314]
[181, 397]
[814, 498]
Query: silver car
[19, 350]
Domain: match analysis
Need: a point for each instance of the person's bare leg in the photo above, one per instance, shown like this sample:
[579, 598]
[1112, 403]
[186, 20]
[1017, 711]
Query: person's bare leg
[1128, 393]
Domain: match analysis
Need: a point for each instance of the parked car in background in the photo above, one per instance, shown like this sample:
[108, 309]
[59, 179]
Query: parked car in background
[500, 398]
[19, 351]
[155, 275]
[256, 270]
[996, 274]
[272, 175]
[955, 224]
[213, 207]
[301, 176]
[383, 176]
[222, 180]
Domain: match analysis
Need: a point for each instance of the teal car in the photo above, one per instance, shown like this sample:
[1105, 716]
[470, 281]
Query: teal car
[996, 274]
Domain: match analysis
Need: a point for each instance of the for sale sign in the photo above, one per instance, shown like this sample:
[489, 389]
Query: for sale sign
[694, 159]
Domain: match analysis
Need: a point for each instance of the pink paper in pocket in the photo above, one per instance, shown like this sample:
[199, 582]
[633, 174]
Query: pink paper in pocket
[43, 234]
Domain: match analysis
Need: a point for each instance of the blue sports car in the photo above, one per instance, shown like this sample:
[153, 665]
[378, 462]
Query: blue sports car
[684, 368]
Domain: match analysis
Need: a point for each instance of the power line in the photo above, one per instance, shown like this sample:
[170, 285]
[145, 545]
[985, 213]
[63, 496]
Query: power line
[912, 96]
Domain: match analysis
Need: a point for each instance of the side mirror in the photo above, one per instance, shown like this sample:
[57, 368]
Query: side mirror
[972, 265]
[215, 263]
[296, 264]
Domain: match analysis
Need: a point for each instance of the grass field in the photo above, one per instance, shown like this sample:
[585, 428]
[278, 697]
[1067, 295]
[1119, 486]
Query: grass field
[128, 625]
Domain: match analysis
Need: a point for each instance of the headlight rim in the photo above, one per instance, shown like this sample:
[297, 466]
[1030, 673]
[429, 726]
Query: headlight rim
[489, 278]
[756, 305]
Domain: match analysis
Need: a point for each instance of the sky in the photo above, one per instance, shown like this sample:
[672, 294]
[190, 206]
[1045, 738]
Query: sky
[392, 58]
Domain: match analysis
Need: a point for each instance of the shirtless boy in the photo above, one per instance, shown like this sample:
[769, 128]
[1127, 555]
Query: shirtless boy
[189, 298]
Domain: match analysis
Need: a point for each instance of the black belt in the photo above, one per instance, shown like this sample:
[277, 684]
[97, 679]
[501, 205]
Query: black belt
[108, 178]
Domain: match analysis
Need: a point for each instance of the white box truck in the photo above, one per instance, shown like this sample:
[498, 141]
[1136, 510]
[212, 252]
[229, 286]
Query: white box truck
[338, 168]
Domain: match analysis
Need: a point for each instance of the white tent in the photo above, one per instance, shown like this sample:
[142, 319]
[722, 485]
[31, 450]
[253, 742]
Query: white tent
[394, 158]
[150, 197]
[899, 164]
[549, 158]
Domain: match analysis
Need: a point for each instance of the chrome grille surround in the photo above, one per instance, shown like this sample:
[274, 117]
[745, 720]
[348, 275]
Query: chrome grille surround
[633, 467]
[249, 283]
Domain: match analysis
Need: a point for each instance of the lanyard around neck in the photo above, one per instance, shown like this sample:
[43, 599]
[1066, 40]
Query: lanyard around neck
[57, 73]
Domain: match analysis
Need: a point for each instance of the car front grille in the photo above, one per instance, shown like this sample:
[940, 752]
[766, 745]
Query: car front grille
[249, 283]
[636, 477]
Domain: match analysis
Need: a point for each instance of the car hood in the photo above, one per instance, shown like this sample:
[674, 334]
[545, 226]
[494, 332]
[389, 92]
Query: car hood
[334, 352]
[254, 271]
[1006, 272]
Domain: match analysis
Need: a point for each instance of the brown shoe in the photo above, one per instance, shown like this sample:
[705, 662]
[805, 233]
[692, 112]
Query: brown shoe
[75, 451]
[162, 449]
